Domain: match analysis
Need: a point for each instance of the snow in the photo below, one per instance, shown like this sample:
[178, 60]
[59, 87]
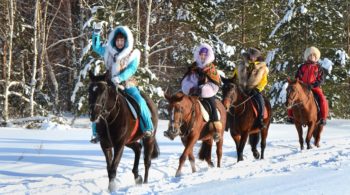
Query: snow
[343, 56]
[303, 9]
[271, 55]
[287, 18]
[327, 64]
[62, 161]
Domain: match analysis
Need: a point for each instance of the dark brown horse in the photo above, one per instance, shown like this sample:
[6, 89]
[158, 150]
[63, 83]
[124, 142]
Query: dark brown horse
[115, 123]
[241, 118]
[302, 102]
[186, 120]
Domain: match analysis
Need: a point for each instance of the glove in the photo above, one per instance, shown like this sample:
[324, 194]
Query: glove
[116, 81]
[97, 28]
[309, 87]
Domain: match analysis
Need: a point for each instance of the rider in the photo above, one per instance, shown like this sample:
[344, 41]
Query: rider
[122, 61]
[252, 76]
[203, 79]
[311, 73]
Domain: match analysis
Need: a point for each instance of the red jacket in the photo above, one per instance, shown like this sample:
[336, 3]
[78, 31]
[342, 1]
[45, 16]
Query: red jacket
[310, 73]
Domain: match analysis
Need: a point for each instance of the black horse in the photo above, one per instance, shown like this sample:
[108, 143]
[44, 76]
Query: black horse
[115, 124]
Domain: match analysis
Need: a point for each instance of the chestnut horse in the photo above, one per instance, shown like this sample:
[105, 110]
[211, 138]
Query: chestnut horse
[241, 117]
[301, 100]
[115, 125]
[186, 120]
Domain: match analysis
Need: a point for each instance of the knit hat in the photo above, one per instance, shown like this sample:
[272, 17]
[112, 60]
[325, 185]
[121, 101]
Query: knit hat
[312, 50]
[203, 50]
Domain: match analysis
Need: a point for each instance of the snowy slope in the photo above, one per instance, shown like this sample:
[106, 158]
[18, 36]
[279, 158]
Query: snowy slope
[60, 160]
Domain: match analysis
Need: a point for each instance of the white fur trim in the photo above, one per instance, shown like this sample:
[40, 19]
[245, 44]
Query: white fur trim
[312, 50]
[129, 43]
[210, 58]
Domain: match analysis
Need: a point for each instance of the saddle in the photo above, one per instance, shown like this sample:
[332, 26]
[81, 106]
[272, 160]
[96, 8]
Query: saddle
[206, 109]
[132, 104]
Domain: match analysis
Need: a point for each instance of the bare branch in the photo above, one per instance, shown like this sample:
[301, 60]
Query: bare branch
[64, 40]
[159, 50]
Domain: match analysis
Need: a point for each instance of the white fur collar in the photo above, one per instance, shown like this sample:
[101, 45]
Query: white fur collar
[210, 57]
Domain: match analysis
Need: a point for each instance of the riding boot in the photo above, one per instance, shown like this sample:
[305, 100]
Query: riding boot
[95, 138]
[261, 106]
[215, 118]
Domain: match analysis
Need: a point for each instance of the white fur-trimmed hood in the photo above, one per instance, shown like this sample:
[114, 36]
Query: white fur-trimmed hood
[129, 43]
[312, 50]
[210, 57]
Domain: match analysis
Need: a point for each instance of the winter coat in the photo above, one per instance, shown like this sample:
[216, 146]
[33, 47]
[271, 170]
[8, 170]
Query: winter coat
[203, 75]
[310, 73]
[252, 75]
[123, 63]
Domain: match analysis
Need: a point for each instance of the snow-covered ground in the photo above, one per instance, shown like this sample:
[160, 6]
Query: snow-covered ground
[60, 160]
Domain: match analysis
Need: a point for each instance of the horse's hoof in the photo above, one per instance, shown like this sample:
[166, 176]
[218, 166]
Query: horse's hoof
[256, 155]
[112, 186]
[138, 180]
[211, 164]
[178, 174]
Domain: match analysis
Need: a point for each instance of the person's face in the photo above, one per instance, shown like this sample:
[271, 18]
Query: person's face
[119, 43]
[202, 56]
[252, 58]
[312, 57]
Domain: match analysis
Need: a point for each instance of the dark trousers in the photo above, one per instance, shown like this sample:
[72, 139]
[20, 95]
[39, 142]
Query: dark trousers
[214, 113]
[259, 99]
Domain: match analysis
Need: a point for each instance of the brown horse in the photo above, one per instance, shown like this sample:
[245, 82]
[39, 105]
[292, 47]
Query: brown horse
[241, 117]
[115, 125]
[301, 100]
[186, 120]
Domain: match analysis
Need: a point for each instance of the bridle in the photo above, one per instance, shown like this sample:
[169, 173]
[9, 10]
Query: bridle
[297, 104]
[232, 105]
[104, 114]
[182, 118]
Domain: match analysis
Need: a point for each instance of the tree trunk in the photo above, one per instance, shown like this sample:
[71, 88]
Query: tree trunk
[42, 46]
[53, 79]
[11, 17]
[243, 38]
[35, 61]
[148, 19]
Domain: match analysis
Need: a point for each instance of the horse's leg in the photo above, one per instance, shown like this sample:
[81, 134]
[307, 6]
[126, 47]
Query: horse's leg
[263, 140]
[136, 147]
[317, 135]
[236, 137]
[300, 135]
[253, 141]
[148, 149]
[219, 145]
[205, 152]
[112, 173]
[242, 143]
[311, 128]
[191, 140]
[192, 161]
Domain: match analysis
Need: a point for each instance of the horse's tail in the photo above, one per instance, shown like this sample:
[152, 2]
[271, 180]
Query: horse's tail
[155, 152]
[205, 151]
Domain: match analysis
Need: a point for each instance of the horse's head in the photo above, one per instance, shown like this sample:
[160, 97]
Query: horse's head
[179, 109]
[99, 93]
[294, 90]
[230, 92]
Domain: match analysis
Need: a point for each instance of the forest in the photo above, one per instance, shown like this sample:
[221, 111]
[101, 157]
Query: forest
[45, 47]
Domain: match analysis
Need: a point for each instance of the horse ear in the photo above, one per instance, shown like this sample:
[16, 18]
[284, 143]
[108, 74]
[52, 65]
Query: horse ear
[227, 80]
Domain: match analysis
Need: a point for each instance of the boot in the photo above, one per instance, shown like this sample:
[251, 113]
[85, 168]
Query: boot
[290, 120]
[323, 122]
[147, 134]
[218, 127]
[95, 139]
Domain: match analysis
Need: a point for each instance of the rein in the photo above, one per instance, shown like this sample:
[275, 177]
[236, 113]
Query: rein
[240, 104]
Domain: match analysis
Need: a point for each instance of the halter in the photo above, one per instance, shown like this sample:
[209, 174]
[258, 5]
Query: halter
[192, 113]
[238, 105]
[300, 102]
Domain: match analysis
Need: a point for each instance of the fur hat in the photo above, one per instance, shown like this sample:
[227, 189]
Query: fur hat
[251, 52]
[312, 50]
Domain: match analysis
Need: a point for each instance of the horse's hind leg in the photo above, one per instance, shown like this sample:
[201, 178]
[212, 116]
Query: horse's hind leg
[263, 141]
[253, 141]
[136, 147]
[149, 147]
[205, 152]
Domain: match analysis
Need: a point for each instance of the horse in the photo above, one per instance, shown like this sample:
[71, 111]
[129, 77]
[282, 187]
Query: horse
[115, 125]
[241, 117]
[186, 119]
[301, 100]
